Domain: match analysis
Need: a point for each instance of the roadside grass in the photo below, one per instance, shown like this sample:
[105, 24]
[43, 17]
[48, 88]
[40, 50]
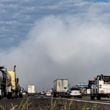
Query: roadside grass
[54, 105]
[72, 105]
[22, 106]
[63, 105]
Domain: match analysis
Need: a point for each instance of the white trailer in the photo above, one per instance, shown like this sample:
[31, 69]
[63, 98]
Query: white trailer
[101, 88]
[31, 90]
[60, 87]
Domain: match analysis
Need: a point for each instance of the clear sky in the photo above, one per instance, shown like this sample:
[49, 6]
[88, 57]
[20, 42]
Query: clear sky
[49, 39]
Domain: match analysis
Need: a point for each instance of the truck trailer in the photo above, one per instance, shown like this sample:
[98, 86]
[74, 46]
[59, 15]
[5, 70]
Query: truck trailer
[31, 89]
[60, 88]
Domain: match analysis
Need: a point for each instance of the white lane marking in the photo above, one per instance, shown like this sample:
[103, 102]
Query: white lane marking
[86, 101]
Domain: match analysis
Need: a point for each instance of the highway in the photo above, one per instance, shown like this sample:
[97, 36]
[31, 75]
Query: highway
[45, 103]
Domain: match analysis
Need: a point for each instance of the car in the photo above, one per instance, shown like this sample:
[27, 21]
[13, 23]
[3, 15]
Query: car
[23, 92]
[75, 92]
[42, 93]
[48, 93]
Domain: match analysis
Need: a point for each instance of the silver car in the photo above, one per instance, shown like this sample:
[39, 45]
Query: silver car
[75, 92]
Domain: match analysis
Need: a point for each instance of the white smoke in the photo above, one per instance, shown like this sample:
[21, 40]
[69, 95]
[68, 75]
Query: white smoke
[59, 47]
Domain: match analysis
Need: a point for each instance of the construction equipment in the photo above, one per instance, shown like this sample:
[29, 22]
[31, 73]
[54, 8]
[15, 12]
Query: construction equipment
[101, 87]
[9, 84]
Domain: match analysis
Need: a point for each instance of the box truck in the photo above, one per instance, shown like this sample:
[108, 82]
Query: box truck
[60, 88]
[31, 89]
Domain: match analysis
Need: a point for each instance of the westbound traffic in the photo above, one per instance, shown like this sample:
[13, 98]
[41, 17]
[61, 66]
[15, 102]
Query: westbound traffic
[97, 88]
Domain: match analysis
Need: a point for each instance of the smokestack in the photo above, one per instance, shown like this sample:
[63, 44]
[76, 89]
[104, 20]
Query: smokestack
[14, 68]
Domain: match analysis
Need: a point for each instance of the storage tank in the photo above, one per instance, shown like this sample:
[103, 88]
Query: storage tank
[12, 79]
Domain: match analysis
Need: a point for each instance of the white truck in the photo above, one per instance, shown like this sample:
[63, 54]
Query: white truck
[31, 89]
[101, 88]
[61, 87]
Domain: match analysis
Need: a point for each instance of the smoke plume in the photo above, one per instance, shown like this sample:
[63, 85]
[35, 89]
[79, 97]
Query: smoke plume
[61, 47]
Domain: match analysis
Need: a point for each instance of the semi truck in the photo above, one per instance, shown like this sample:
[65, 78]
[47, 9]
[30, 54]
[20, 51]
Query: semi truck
[60, 88]
[9, 83]
[90, 83]
[101, 87]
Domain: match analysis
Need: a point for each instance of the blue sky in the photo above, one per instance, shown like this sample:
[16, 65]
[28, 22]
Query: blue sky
[18, 17]
[50, 39]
